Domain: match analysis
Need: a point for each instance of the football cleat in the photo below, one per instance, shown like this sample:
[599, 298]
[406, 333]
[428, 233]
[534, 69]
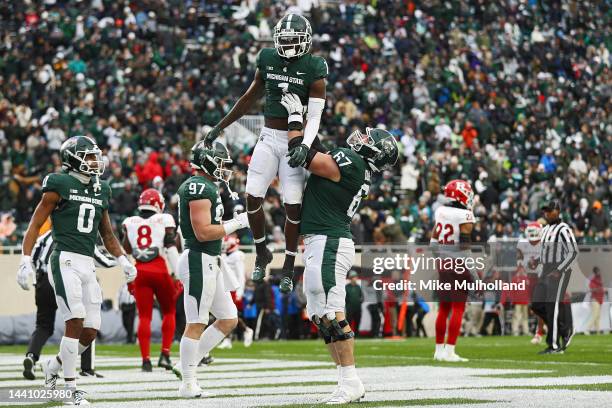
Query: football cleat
[50, 376]
[537, 339]
[550, 350]
[78, 398]
[192, 390]
[439, 355]
[225, 344]
[28, 368]
[147, 367]
[177, 370]
[454, 358]
[261, 262]
[248, 337]
[164, 361]
[350, 391]
[90, 373]
[286, 284]
[207, 360]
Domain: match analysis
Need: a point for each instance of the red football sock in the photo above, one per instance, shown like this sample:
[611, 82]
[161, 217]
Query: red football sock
[454, 326]
[443, 311]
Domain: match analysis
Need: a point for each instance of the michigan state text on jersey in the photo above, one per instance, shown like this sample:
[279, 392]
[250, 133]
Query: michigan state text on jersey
[77, 203]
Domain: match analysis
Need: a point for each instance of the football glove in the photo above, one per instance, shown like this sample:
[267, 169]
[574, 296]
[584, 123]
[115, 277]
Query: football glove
[26, 269]
[297, 155]
[129, 270]
[212, 135]
[238, 222]
[292, 103]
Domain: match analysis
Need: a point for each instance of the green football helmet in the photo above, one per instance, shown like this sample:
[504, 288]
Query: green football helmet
[211, 160]
[378, 147]
[82, 155]
[292, 36]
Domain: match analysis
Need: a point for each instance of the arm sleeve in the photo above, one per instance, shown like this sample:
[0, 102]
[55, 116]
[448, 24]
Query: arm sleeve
[313, 119]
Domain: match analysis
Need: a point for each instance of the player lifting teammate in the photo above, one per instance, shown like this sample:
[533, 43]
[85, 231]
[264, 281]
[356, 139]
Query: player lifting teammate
[333, 193]
[206, 289]
[288, 68]
[148, 237]
[453, 226]
[77, 202]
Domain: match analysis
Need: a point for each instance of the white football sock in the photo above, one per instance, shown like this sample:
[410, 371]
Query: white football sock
[69, 351]
[55, 365]
[71, 384]
[82, 348]
[348, 372]
[339, 373]
[439, 348]
[209, 339]
[189, 358]
[450, 349]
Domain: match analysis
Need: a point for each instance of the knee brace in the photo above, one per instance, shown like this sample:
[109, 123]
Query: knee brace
[293, 213]
[253, 204]
[325, 333]
[337, 330]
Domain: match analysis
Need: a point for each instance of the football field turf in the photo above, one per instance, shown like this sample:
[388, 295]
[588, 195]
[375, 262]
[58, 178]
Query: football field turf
[502, 371]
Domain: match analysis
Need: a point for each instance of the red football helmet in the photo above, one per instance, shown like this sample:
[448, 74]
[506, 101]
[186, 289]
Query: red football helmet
[230, 243]
[151, 200]
[533, 231]
[461, 192]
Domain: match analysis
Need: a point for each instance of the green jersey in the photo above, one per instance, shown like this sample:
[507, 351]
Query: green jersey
[281, 75]
[328, 206]
[76, 218]
[199, 188]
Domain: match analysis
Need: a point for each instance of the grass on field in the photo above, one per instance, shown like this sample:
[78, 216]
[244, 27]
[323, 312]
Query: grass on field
[588, 355]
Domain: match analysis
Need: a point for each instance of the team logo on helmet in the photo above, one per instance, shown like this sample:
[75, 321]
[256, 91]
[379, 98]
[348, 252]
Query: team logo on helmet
[377, 146]
[211, 160]
[151, 200]
[82, 155]
[460, 191]
[533, 231]
[292, 36]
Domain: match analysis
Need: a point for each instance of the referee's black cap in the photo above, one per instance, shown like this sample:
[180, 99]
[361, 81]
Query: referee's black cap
[551, 205]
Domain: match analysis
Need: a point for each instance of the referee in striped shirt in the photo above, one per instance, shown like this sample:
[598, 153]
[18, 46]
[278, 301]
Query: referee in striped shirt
[558, 252]
[46, 306]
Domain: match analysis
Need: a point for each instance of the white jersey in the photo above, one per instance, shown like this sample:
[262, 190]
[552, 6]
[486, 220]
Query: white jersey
[531, 256]
[448, 219]
[146, 235]
[233, 264]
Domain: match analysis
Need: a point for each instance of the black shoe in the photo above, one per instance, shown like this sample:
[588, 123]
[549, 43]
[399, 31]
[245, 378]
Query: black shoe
[207, 360]
[568, 339]
[548, 350]
[164, 361]
[90, 373]
[28, 368]
[261, 262]
[147, 367]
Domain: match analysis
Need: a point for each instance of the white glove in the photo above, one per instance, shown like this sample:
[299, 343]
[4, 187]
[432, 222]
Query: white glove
[238, 222]
[26, 269]
[294, 107]
[129, 270]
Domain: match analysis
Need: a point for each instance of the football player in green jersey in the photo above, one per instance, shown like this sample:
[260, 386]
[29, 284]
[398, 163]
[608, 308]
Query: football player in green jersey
[77, 202]
[289, 67]
[333, 193]
[206, 289]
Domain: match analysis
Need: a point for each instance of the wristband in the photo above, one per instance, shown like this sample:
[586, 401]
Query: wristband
[231, 226]
[123, 261]
[311, 154]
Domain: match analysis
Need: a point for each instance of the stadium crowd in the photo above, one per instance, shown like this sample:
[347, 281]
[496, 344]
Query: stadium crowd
[513, 96]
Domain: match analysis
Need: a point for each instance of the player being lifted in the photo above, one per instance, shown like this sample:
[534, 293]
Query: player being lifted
[205, 287]
[453, 226]
[77, 202]
[288, 68]
[148, 237]
[333, 193]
